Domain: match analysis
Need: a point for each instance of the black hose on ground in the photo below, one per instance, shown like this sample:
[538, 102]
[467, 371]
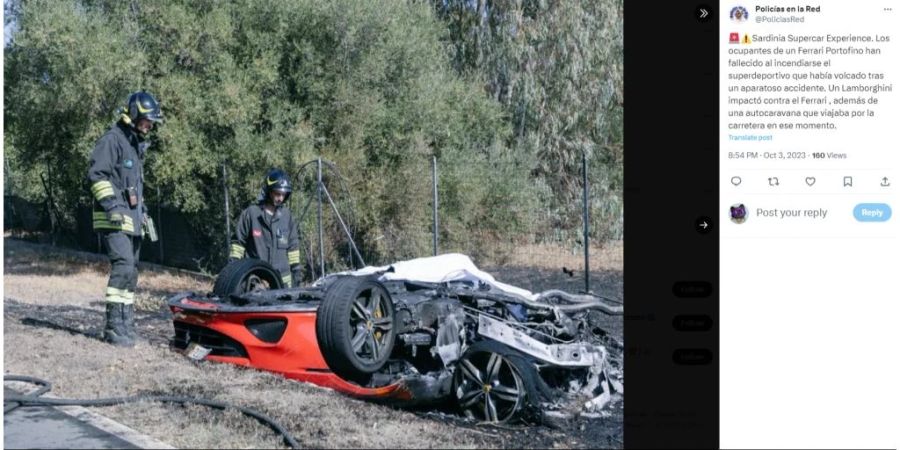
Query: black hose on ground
[45, 387]
[32, 399]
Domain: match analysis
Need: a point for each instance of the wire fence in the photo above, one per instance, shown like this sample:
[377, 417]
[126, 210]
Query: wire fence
[508, 222]
[523, 225]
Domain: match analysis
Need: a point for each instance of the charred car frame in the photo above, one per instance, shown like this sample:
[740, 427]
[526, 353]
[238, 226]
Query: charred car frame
[406, 335]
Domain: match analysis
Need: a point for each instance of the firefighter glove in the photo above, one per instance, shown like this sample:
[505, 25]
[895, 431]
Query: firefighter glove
[150, 229]
[115, 218]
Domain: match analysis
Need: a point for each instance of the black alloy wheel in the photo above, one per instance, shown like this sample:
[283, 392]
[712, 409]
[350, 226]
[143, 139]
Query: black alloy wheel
[355, 327]
[491, 386]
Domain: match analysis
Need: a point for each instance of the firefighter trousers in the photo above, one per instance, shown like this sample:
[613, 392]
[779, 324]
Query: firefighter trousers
[124, 251]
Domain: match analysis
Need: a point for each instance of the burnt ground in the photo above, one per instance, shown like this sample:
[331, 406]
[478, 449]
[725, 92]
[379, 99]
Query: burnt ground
[53, 313]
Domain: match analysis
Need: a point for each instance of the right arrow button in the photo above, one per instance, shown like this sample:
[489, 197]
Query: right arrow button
[703, 224]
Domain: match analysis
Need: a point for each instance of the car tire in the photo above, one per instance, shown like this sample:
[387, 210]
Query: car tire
[355, 327]
[495, 383]
[245, 275]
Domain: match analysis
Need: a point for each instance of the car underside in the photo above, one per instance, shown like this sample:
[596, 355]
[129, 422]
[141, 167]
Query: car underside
[421, 331]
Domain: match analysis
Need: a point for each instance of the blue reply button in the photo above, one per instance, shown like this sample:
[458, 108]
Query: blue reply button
[872, 212]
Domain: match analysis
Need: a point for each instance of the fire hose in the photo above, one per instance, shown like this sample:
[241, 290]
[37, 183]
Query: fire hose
[34, 399]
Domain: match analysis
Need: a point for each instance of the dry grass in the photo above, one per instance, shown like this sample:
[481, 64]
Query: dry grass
[81, 367]
[44, 275]
[52, 314]
[609, 256]
[605, 256]
[66, 289]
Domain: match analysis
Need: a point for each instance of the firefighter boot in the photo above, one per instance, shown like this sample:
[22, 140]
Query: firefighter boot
[128, 316]
[115, 332]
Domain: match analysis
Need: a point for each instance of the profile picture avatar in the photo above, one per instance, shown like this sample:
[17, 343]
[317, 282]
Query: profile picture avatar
[739, 14]
[738, 213]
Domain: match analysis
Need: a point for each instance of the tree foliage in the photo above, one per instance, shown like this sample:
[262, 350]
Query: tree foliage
[376, 87]
[556, 67]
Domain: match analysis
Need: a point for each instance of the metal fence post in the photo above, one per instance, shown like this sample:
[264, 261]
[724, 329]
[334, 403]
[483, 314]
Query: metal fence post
[587, 270]
[159, 229]
[48, 188]
[434, 203]
[227, 211]
[319, 215]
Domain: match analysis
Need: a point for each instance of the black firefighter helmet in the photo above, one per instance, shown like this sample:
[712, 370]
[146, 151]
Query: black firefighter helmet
[142, 105]
[276, 181]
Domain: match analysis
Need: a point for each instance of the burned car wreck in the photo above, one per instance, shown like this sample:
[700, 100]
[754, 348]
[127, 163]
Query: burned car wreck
[421, 331]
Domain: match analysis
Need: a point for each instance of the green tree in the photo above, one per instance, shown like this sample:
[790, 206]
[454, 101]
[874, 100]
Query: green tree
[62, 71]
[556, 67]
[247, 85]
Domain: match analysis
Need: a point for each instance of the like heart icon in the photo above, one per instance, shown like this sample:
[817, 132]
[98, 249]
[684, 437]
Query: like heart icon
[810, 181]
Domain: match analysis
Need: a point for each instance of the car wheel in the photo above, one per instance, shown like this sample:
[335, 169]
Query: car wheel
[246, 275]
[355, 327]
[494, 383]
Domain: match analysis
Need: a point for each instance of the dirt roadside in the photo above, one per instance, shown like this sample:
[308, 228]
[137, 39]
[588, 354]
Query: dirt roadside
[53, 314]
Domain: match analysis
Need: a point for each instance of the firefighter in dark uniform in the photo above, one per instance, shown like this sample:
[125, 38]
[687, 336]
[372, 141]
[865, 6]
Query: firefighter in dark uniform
[116, 178]
[267, 230]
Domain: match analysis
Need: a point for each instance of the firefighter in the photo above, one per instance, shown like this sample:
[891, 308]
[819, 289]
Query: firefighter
[116, 178]
[267, 231]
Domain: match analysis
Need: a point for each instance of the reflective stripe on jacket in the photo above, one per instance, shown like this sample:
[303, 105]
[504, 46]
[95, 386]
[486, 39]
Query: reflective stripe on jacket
[115, 174]
[271, 238]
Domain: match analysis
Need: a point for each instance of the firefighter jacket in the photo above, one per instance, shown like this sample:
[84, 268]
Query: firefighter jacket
[270, 237]
[116, 179]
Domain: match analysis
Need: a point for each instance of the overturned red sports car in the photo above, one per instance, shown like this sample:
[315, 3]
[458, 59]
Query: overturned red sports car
[419, 331]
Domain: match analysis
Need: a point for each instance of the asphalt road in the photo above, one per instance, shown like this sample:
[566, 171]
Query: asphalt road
[49, 427]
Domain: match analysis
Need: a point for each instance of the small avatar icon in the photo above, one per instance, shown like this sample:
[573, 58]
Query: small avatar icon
[739, 14]
[738, 213]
